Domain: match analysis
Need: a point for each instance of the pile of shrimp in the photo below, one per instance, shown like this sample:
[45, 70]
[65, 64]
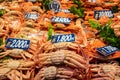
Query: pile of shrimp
[14, 23]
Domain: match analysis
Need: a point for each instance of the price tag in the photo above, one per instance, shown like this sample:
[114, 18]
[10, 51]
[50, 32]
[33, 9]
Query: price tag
[107, 50]
[31, 0]
[99, 13]
[31, 16]
[1, 8]
[91, 0]
[65, 10]
[54, 5]
[63, 38]
[17, 43]
[61, 20]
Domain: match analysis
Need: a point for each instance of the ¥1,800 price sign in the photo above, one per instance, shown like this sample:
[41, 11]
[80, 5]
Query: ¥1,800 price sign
[63, 38]
[17, 43]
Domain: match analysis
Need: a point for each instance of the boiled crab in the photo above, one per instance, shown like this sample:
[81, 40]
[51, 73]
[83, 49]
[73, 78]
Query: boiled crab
[33, 35]
[91, 51]
[110, 71]
[59, 57]
[13, 69]
[13, 20]
[75, 28]
[52, 72]
[16, 53]
[49, 47]
[116, 26]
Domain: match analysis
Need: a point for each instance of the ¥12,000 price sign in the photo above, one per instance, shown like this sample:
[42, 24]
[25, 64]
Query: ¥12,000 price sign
[17, 43]
[63, 38]
[107, 50]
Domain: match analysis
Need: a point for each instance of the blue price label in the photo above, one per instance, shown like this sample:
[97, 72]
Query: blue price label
[65, 10]
[54, 5]
[17, 43]
[107, 50]
[99, 13]
[91, 0]
[61, 20]
[63, 38]
[31, 16]
[31, 0]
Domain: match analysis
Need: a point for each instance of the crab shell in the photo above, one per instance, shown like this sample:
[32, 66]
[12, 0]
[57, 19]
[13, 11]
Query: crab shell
[16, 53]
[17, 64]
[59, 57]
[57, 73]
[106, 71]
[61, 45]
[7, 69]
[91, 51]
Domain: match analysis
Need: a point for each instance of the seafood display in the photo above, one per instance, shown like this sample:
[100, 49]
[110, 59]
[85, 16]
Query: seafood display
[59, 40]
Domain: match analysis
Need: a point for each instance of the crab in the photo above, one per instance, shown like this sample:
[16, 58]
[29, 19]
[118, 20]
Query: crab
[16, 53]
[57, 73]
[13, 20]
[91, 51]
[34, 36]
[3, 29]
[77, 29]
[60, 57]
[116, 26]
[29, 6]
[110, 71]
[49, 47]
[8, 70]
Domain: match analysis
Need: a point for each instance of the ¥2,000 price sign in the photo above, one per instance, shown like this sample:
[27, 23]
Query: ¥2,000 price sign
[63, 38]
[17, 43]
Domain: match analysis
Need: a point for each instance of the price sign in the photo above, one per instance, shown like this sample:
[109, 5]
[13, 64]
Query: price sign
[99, 13]
[17, 43]
[107, 50]
[31, 0]
[54, 5]
[63, 38]
[61, 20]
[65, 10]
[31, 16]
[91, 0]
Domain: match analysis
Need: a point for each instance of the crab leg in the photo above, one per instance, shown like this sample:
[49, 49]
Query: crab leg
[68, 73]
[75, 62]
[48, 61]
[103, 78]
[3, 54]
[70, 64]
[77, 57]
[62, 76]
